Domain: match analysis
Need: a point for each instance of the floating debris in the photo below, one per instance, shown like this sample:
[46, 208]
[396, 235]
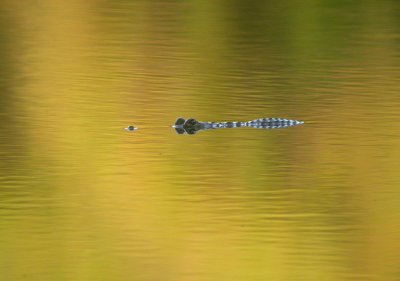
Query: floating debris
[130, 128]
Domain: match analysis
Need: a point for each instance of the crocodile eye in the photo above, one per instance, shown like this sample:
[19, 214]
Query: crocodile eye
[180, 121]
[191, 122]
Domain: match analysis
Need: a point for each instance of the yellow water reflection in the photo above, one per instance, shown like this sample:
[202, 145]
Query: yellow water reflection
[81, 199]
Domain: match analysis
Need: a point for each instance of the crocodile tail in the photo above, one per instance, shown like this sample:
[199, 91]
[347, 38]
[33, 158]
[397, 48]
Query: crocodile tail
[272, 123]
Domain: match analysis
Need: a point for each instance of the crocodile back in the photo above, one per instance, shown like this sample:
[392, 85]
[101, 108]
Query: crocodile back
[261, 123]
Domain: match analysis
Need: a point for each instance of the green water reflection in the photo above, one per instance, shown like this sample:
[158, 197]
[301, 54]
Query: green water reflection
[81, 199]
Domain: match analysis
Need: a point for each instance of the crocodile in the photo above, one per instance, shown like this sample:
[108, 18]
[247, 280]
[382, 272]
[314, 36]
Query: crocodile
[191, 126]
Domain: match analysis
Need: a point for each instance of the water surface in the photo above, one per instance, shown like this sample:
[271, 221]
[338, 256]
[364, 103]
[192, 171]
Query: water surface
[81, 199]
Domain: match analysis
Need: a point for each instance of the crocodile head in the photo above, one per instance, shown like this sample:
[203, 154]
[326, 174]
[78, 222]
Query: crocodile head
[189, 126]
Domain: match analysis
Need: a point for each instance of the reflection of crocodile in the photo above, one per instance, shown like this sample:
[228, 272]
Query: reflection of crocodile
[191, 126]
